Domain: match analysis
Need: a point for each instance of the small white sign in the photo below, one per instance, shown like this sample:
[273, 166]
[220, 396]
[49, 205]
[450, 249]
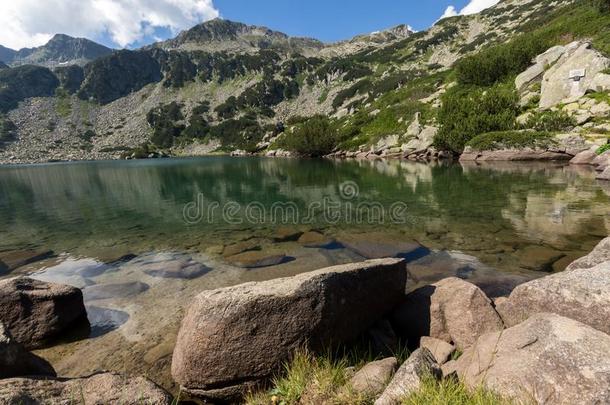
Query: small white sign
[577, 74]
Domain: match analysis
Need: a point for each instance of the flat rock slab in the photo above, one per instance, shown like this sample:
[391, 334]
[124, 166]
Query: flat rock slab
[35, 311]
[287, 234]
[548, 359]
[119, 290]
[177, 269]
[257, 259]
[581, 294]
[233, 338]
[106, 388]
[241, 247]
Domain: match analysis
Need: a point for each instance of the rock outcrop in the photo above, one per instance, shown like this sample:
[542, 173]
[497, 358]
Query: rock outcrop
[35, 311]
[409, 376]
[574, 72]
[452, 310]
[234, 338]
[105, 388]
[547, 359]
[15, 361]
[582, 294]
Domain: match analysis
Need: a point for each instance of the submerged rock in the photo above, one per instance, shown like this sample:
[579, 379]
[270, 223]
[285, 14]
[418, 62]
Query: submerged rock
[452, 310]
[582, 294]
[313, 239]
[408, 378]
[12, 260]
[371, 249]
[104, 388]
[372, 379]
[15, 361]
[233, 338]
[34, 311]
[178, 269]
[119, 290]
[548, 359]
[257, 259]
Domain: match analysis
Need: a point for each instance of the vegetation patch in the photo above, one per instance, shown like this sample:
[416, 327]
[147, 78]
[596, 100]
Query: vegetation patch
[550, 121]
[511, 139]
[315, 137]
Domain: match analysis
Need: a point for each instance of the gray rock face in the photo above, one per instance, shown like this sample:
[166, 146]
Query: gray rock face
[233, 338]
[106, 388]
[510, 155]
[599, 255]
[559, 83]
[35, 311]
[548, 359]
[15, 361]
[409, 376]
[440, 349]
[582, 294]
[371, 379]
[422, 142]
[451, 310]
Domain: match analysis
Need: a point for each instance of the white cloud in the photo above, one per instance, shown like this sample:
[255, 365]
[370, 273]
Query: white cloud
[28, 23]
[475, 6]
[449, 12]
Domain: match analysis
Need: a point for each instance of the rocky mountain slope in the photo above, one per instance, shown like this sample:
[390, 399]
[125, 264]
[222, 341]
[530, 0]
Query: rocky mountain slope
[225, 86]
[61, 50]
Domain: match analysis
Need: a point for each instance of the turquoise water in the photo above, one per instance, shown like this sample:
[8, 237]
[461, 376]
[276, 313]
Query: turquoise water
[139, 206]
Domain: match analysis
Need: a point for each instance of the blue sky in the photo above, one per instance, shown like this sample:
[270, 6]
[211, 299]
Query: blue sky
[332, 20]
[133, 23]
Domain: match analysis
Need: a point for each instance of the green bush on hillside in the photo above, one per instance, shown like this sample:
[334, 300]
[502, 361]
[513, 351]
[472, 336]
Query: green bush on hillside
[602, 5]
[511, 139]
[467, 112]
[315, 137]
[496, 64]
[164, 122]
[550, 121]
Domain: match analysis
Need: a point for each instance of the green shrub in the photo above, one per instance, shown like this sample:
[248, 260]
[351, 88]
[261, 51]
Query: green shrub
[7, 130]
[603, 149]
[510, 139]
[550, 121]
[497, 63]
[26, 81]
[467, 112]
[315, 137]
[163, 120]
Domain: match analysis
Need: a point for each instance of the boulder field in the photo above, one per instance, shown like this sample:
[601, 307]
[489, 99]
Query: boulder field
[547, 342]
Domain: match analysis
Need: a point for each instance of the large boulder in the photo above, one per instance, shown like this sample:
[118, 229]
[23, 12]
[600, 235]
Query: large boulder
[15, 361]
[599, 255]
[408, 378]
[234, 338]
[604, 175]
[535, 72]
[572, 75]
[582, 294]
[452, 310]
[547, 359]
[35, 311]
[104, 388]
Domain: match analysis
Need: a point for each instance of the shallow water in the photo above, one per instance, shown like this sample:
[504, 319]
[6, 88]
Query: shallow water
[143, 237]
